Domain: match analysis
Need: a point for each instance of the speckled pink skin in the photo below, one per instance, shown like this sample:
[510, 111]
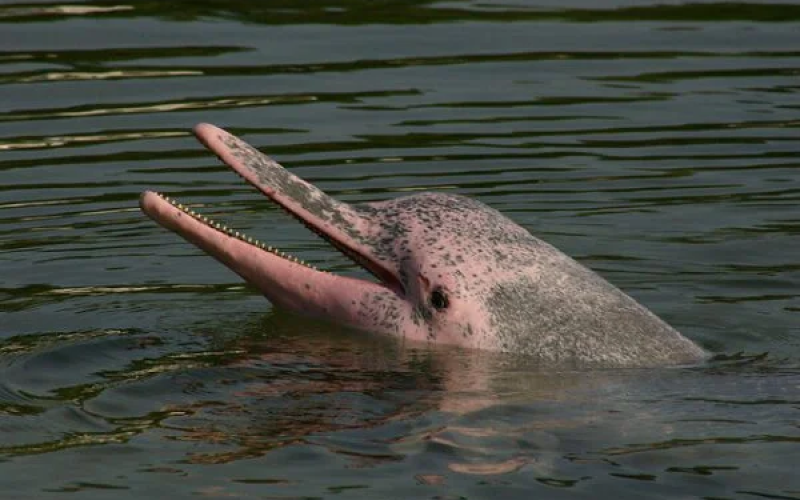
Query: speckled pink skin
[451, 270]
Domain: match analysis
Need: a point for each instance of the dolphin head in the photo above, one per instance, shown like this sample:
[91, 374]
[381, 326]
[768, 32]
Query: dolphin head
[448, 269]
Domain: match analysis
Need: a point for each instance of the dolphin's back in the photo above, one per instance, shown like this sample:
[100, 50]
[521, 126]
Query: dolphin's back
[561, 310]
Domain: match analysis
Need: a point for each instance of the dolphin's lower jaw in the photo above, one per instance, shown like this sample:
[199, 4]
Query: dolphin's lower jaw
[449, 270]
[285, 280]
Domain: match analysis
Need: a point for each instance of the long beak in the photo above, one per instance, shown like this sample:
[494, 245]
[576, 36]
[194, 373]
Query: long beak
[283, 279]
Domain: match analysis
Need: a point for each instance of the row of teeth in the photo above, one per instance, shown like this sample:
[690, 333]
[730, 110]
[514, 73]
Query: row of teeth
[235, 234]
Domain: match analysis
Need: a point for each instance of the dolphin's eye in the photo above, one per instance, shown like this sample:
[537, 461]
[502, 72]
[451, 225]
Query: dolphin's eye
[439, 299]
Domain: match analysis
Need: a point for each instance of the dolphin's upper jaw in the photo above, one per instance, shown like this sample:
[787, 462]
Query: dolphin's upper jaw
[339, 224]
[385, 275]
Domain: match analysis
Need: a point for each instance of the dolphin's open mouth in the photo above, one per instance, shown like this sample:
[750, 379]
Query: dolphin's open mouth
[282, 277]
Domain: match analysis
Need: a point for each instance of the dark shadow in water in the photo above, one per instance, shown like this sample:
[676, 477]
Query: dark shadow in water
[358, 12]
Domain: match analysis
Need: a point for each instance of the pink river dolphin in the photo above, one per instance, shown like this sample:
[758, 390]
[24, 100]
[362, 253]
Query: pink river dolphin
[448, 270]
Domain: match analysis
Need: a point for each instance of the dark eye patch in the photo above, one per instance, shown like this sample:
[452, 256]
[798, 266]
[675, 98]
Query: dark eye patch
[439, 299]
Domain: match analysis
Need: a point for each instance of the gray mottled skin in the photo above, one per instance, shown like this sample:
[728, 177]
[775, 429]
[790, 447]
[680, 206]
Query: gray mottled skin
[507, 290]
[538, 301]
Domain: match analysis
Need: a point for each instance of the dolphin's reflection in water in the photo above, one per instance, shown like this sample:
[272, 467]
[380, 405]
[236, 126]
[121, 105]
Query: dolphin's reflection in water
[305, 383]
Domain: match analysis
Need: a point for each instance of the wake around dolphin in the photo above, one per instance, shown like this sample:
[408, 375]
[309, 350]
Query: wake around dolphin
[449, 270]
